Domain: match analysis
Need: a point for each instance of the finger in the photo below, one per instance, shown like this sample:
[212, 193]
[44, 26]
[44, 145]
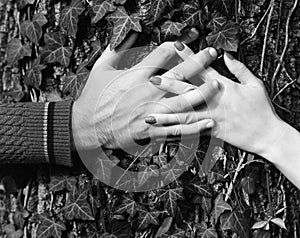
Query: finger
[163, 54]
[177, 118]
[171, 85]
[157, 59]
[191, 99]
[110, 58]
[183, 51]
[240, 71]
[189, 35]
[193, 65]
[181, 130]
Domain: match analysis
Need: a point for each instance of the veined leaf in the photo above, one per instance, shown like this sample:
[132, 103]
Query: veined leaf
[217, 22]
[170, 29]
[220, 206]
[16, 51]
[206, 204]
[77, 206]
[55, 51]
[227, 38]
[129, 205]
[97, 51]
[33, 76]
[69, 16]
[176, 234]
[236, 222]
[146, 173]
[123, 24]
[49, 228]
[119, 2]
[248, 184]
[170, 197]
[32, 30]
[195, 19]
[40, 19]
[204, 232]
[59, 183]
[73, 82]
[261, 234]
[260, 225]
[164, 227]
[101, 9]
[146, 218]
[202, 189]
[159, 7]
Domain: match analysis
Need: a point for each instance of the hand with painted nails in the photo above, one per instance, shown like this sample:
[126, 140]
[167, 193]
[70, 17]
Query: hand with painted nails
[115, 102]
[243, 115]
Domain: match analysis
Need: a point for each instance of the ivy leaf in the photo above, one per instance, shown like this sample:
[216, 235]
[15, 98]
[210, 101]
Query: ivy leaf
[119, 2]
[220, 206]
[170, 197]
[217, 22]
[73, 82]
[128, 205]
[59, 183]
[101, 9]
[204, 232]
[107, 235]
[260, 224]
[202, 189]
[194, 19]
[146, 172]
[248, 185]
[16, 51]
[170, 29]
[279, 222]
[158, 8]
[33, 76]
[69, 16]
[227, 38]
[97, 51]
[32, 30]
[55, 51]
[235, 221]
[146, 218]
[164, 227]
[123, 24]
[176, 234]
[49, 228]
[77, 206]
[171, 172]
[40, 19]
[261, 234]
[206, 204]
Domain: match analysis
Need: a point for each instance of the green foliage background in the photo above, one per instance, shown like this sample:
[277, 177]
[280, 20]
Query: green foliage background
[47, 49]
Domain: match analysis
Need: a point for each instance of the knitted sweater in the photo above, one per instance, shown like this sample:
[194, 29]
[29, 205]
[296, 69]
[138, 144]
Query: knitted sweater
[36, 133]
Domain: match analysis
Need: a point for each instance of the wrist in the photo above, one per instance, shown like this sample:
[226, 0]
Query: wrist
[278, 140]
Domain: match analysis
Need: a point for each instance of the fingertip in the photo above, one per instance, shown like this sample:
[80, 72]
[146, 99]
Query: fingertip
[213, 52]
[210, 124]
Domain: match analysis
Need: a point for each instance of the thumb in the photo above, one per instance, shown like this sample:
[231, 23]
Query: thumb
[110, 58]
[240, 71]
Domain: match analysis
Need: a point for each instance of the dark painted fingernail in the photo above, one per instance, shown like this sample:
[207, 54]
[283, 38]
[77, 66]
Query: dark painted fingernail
[193, 33]
[150, 120]
[155, 80]
[179, 46]
[230, 56]
[220, 52]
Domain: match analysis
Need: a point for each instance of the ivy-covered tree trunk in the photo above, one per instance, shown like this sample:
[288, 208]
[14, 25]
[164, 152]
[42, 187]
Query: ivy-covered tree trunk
[47, 49]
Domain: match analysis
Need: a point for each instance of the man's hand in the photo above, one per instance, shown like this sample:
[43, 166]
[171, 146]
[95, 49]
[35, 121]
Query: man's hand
[115, 103]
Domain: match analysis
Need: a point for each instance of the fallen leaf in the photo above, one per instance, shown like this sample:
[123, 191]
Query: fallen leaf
[16, 51]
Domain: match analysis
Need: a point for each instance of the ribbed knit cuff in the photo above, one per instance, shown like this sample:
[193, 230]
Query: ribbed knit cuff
[36, 133]
[49, 130]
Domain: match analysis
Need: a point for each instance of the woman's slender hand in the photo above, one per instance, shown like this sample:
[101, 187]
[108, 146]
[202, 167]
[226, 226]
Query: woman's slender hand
[115, 103]
[243, 116]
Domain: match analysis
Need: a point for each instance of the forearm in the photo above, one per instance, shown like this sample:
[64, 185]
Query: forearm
[36, 133]
[284, 153]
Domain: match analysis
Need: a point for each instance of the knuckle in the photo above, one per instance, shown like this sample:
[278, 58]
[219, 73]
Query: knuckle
[165, 51]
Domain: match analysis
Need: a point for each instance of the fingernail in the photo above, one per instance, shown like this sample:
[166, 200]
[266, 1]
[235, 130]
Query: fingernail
[150, 120]
[155, 80]
[210, 124]
[179, 46]
[230, 56]
[193, 33]
[213, 53]
[220, 52]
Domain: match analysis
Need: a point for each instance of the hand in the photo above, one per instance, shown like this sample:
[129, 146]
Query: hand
[115, 103]
[243, 113]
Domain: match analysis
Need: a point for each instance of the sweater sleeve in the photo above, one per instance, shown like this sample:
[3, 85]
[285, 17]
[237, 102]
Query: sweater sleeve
[36, 133]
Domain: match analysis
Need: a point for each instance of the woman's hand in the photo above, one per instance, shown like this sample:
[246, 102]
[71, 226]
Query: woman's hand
[115, 103]
[242, 112]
